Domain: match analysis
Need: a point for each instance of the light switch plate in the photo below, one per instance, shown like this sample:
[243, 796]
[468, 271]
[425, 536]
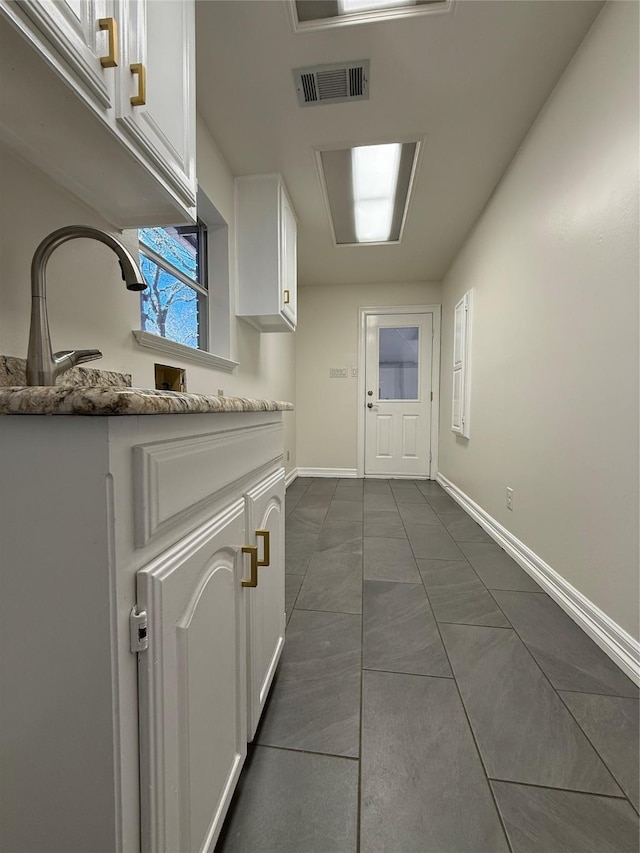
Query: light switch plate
[337, 373]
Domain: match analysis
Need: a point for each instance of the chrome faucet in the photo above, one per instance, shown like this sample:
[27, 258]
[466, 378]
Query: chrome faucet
[43, 365]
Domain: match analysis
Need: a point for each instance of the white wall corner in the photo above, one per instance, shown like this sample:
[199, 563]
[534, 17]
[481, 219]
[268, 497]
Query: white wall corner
[290, 477]
[620, 646]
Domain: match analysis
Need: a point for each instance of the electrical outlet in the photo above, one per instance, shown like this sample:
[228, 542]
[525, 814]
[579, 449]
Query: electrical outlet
[509, 498]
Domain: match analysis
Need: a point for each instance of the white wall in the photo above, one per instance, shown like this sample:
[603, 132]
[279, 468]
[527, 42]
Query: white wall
[553, 263]
[327, 336]
[89, 306]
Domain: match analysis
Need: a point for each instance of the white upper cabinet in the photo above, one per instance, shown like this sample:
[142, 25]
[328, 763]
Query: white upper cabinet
[110, 114]
[266, 234]
[156, 93]
[69, 26]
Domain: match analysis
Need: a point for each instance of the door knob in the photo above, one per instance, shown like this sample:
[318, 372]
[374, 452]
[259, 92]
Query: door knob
[369, 405]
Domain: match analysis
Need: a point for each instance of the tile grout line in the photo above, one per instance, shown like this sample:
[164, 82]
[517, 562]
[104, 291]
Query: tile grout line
[305, 751]
[555, 788]
[412, 674]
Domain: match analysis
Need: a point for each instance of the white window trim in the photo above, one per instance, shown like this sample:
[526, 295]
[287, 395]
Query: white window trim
[218, 301]
[181, 351]
[461, 371]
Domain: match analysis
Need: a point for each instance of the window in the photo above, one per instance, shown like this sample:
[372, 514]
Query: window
[174, 264]
[461, 366]
[186, 311]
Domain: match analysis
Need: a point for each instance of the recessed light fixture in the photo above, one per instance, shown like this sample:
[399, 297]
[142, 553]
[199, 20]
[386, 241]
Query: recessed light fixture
[348, 7]
[322, 14]
[374, 170]
[367, 189]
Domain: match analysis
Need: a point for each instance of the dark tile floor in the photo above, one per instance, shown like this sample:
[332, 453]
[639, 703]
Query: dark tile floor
[430, 697]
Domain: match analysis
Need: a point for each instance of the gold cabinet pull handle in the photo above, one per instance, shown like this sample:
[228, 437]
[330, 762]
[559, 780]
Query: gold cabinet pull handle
[286, 297]
[265, 535]
[140, 99]
[253, 550]
[111, 26]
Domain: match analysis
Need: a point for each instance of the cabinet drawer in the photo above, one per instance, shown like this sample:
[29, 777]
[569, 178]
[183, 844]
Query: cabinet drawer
[174, 478]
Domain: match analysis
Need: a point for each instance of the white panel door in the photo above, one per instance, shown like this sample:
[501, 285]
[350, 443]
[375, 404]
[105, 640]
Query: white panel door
[289, 271]
[265, 602]
[159, 36]
[192, 686]
[398, 394]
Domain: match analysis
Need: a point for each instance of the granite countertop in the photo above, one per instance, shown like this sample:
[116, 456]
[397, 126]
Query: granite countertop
[90, 391]
[88, 400]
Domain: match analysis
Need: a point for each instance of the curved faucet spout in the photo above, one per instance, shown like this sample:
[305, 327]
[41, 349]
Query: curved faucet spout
[43, 365]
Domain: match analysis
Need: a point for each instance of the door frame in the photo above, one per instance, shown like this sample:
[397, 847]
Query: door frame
[363, 313]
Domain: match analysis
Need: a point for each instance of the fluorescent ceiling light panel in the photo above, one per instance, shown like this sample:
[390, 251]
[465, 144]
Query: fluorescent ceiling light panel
[374, 170]
[367, 190]
[323, 14]
[348, 7]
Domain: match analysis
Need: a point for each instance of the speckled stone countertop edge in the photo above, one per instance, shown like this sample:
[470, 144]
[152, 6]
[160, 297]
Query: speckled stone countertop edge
[113, 401]
[13, 373]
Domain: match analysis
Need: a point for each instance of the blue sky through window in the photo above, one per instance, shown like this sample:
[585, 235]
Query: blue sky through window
[169, 307]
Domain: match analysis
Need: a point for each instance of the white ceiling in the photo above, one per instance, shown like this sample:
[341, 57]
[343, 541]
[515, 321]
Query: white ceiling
[470, 83]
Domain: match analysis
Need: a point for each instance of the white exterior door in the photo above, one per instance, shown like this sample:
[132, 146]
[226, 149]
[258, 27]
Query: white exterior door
[398, 394]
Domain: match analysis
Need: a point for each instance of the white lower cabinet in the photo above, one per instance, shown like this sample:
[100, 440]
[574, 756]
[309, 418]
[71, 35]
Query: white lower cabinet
[265, 602]
[192, 686]
[148, 648]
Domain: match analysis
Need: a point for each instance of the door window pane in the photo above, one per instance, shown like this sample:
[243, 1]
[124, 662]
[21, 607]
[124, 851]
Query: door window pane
[398, 363]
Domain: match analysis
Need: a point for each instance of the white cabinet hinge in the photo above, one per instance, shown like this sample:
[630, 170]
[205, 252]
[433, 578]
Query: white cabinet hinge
[138, 630]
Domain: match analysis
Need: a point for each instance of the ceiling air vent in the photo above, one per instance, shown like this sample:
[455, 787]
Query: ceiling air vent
[332, 84]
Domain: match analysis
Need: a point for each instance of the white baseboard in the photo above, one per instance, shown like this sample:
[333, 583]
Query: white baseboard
[620, 646]
[327, 472]
[290, 477]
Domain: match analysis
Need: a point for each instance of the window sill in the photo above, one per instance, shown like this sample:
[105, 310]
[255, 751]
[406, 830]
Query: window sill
[180, 351]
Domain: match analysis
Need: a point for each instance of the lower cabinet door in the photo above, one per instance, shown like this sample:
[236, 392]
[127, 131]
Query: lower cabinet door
[265, 602]
[192, 685]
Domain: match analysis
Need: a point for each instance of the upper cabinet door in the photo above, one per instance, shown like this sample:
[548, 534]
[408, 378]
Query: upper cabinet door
[266, 233]
[289, 275]
[69, 36]
[156, 95]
